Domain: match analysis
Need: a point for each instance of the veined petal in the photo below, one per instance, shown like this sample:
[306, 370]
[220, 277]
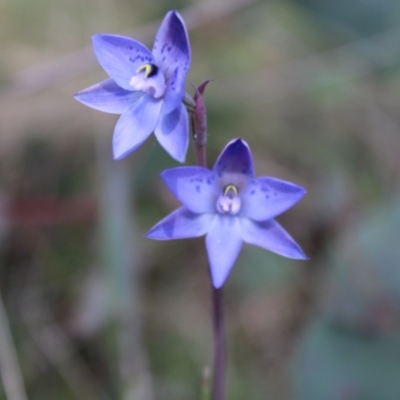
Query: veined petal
[121, 57]
[135, 125]
[181, 224]
[194, 187]
[171, 46]
[271, 236]
[172, 132]
[175, 90]
[223, 243]
[235, 165]
[108, 97]
[265, 198]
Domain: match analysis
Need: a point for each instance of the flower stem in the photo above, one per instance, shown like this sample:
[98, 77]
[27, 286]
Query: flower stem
[218, 390]
[199, 130]
[201, 155]
[199, 125]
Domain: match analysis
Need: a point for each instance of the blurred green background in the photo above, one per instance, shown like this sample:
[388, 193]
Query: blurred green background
[92, 310]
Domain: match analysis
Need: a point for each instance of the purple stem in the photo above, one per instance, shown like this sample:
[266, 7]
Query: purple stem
[218, 390]
[199, 128]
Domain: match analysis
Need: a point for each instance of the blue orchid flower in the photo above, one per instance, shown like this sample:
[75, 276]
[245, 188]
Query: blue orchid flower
[230, 206]
[145, 87]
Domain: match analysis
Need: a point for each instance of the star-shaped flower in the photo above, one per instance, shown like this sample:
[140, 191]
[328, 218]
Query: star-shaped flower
[146, 87]
[230, 206]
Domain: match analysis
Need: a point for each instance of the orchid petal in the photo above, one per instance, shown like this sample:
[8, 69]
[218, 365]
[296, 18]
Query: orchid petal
[194, 187]
[223, 243]
[235, 165]
[181, 224]
[135, 125]
[121, 57]
[171, 47]
[107, 96]
[175, 90]
[265, 198]
[172, 132]
[271, 236]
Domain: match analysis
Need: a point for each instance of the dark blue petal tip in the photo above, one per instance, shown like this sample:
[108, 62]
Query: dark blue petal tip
[235, 158]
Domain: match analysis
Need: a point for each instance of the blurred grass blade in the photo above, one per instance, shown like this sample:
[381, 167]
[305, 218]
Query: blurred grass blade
[9, 367]
[121, 259]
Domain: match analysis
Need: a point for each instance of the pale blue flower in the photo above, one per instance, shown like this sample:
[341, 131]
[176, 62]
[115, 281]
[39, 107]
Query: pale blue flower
[230, 206]
[145, 87]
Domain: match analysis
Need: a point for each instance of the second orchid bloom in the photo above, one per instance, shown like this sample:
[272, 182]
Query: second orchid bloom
[145, 87]
[230, 206]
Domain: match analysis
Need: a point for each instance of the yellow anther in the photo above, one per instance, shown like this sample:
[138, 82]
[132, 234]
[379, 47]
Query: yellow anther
[230, 188]
[149, 69]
